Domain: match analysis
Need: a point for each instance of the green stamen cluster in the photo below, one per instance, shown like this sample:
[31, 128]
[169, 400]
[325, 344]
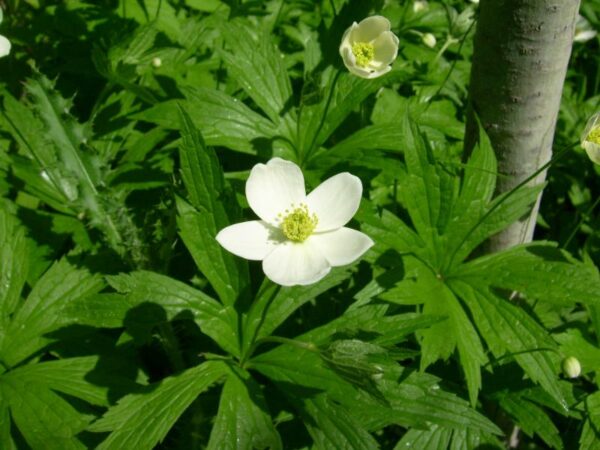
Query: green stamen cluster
[298, 224]
[363, 52]
[594, 135]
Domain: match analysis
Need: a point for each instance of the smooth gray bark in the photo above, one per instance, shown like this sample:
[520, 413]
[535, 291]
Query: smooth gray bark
[521, 53]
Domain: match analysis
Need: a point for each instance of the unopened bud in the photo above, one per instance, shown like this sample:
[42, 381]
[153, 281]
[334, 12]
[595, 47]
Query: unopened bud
[571, 367]
[156, 62]
[420, 5]
[429, 40]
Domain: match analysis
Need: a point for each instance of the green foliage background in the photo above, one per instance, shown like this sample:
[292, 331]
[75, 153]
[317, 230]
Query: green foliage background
[127, 131]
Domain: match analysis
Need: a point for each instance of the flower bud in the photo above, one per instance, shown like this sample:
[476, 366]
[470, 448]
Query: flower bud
[419, 6]
[463, 22]
[156, 62]
[571, 367]
[590, 139]
[429, 40]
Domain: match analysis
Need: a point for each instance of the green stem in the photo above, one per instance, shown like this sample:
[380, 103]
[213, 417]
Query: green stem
[583, 217]
[170, 343]
[281, 340]
[508, 194]
[323, 117]
[253, 342]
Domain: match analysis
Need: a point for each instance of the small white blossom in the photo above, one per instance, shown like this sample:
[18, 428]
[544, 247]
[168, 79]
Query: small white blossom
[299, 237]
[369, 48]
[156, 62]
[429, 40]
[4, 43]
[590, 139]
[583, 30]
[419, 5]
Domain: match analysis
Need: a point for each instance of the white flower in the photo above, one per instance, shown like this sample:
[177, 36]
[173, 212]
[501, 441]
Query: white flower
[590, 140]
[299, 237]
[4, 43]
[419, 5]
[429, 40]
[583, 30]
[369, 47]
[156, 62]
[4, 46]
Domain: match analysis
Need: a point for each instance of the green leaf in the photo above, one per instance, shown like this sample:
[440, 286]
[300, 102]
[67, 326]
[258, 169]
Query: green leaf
[510, 331]
[223, 120]
[145, 288]
[435, 438]
[141, 421]
[259, 68]
[539, 271]
[44, 418]
[41, 312]
[373, 137]
[13, 266]
[6, 440]
[274, 303]
[243, 421]
[69, 376]
[68, 138]
[590, 436]
[333, 427]
[344, 93]
[532, 419]
[207, 192]
[572, 343]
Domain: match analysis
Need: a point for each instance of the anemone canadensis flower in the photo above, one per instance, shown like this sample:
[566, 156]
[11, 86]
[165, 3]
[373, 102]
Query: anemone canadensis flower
[369, 48]
[4, 43]
[590, 140]
[299, 237]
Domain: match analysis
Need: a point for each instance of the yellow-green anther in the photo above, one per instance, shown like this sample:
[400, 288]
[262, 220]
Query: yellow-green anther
[363, 52]
[594, 135]
[299, 224]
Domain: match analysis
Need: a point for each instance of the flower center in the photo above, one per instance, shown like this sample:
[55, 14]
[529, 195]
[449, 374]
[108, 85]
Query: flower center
[363, 53]
[594, 135]
[298, 224]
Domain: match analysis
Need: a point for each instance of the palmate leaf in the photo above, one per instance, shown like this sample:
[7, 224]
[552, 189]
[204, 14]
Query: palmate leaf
[174, 297]
[531, 418]
[256, 64]
[41, 313]
[45, 419]
[222, 119]
[207, 214]
[508, 329]
[590, 435]
[416, 400]
[13, 267]
[274, 304]
[243, 421]
[539, 271]
[452, 217]
[142, 420]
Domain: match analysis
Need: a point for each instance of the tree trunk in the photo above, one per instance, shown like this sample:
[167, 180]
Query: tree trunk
[521, 52]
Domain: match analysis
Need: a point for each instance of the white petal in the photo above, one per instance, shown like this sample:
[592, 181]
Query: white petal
[4, 46]
[369, 28]
[335, 201]
[346, 43]
[593, 151]
[386, 48]
[251, 240]
[272, 188]
[291, 264]
[343, 246]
